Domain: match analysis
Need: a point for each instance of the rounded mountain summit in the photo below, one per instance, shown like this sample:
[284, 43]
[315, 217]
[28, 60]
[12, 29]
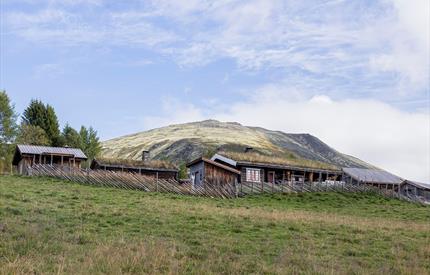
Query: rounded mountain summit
[181, 143]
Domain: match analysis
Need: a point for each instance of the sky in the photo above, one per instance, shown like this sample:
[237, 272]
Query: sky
[353, 73]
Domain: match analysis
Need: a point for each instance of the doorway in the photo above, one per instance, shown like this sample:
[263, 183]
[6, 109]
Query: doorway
[271, 176]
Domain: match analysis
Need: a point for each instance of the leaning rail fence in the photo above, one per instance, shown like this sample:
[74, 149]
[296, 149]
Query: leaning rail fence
[131, 181]
[136, 181]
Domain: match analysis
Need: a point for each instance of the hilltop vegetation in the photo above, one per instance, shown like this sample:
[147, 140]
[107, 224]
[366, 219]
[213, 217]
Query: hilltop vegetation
[185, 142]
[50, 226]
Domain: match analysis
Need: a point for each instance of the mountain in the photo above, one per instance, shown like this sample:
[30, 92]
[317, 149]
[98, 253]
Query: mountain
[185, 142]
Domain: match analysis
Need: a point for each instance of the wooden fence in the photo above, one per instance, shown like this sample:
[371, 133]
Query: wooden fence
[135, 181]
[131, 181]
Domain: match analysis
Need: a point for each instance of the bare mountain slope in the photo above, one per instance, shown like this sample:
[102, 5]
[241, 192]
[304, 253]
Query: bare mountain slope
[184, 142]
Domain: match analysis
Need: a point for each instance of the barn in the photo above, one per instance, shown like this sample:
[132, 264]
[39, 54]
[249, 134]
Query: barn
[150, 168]
[416, 189]
[27, 155]
[205, 171]
[374, 177]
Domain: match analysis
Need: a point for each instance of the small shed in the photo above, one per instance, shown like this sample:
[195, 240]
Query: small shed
[206, 171]
[27, 155]
[416, 189]
[374, 177]
[151, 168]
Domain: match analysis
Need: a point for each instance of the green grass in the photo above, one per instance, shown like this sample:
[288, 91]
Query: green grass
[50, 226]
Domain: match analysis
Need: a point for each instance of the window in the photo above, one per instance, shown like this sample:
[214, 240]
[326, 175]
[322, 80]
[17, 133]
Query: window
[253, 175]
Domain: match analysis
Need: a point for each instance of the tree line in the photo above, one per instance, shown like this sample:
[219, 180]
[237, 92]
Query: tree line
[39, 126]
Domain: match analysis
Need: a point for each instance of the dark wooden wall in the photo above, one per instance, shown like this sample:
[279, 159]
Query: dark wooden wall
[148, 173]
[215, 175]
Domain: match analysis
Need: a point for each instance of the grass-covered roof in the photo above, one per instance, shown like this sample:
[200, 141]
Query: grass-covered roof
[136, 163]
[288, 160]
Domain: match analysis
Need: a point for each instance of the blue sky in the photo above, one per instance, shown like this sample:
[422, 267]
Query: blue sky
[295, 66]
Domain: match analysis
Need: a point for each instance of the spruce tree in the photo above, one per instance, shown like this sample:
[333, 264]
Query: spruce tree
[94, 146]
[43, 116]
[35, 114]
[53, 127]
[83, 133]
[70, 137]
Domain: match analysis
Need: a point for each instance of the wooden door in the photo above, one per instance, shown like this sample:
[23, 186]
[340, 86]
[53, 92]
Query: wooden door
[197, 181]
[271, 177]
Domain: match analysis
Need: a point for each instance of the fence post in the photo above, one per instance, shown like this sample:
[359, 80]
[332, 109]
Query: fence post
[241, 188]
[156, 186]
[236, 189]
[398, 191]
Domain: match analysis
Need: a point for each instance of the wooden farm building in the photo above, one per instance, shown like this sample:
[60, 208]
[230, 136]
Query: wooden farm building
[257, 168]
[416, 189]
[27, 155]
[151, 168]
[205, 171]
[374, 177]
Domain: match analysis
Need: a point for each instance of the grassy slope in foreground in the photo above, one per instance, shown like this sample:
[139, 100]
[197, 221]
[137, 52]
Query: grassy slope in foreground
[50, 226]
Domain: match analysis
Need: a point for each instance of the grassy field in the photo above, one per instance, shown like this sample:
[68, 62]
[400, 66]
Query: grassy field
[50, 226]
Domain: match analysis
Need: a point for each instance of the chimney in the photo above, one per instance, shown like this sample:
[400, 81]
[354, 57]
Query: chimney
[145, 156]
[248, 149]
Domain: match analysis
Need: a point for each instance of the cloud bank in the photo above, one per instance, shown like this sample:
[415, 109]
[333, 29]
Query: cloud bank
[375, 48]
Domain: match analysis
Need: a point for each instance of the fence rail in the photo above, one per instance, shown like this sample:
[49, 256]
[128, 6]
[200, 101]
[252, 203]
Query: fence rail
[135, 181]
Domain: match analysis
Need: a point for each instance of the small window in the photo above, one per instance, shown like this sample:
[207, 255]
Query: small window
[253, 175]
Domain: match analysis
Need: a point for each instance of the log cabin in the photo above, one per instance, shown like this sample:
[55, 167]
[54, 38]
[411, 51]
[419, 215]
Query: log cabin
[257, 168]
[27, 155]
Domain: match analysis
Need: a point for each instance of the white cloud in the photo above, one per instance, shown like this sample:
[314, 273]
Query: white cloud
[59, 27]
[387, 137]
[175, 111]
[408, 36]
